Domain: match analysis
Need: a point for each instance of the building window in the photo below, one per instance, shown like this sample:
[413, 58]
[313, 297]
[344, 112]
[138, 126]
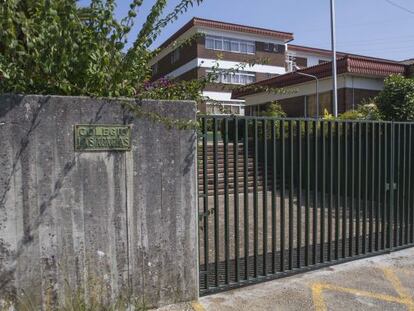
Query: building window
[209, 43]
[230, 45]
[225, 108]
[256, 110]
[218, 44]
[235, 46]
[273, 48]
[241, 78]
[175, 56]
[227, 45]
[290, 61]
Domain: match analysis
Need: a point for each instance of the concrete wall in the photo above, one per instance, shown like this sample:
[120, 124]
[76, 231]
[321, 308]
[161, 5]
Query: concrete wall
[107, 222]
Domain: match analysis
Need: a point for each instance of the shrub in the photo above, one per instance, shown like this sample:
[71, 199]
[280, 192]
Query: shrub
[351, 115]
[396, 100]
[327, 116]
[274, 109]
[368, 110]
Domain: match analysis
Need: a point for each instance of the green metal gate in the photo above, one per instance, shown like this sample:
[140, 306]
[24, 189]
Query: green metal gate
[283, 196]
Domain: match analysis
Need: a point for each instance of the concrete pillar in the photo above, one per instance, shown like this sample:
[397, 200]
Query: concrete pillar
[99, 224]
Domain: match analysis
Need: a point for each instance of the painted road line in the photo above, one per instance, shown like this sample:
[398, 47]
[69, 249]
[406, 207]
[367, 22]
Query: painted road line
[399, 288]
[320, 305]
[197, 306]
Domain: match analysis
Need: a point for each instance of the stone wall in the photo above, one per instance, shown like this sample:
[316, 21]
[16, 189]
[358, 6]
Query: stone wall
[110, 222]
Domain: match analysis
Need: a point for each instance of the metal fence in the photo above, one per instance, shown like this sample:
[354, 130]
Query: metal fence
[282, 196]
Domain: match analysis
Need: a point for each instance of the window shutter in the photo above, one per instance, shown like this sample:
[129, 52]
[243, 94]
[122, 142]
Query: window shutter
[280, 48]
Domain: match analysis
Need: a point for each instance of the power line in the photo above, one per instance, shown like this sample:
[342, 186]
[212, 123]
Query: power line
[400, 6]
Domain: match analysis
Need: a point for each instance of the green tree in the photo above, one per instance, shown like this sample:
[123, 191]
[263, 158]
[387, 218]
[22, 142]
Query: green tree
[274, 109]
[57, 47]
[368, 110]
[396, 100]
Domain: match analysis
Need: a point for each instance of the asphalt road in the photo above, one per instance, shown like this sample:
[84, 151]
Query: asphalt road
[379, 283]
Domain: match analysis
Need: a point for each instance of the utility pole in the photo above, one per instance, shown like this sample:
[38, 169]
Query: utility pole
[334, 77]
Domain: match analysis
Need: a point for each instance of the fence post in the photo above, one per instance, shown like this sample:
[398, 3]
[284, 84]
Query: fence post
[391, 188]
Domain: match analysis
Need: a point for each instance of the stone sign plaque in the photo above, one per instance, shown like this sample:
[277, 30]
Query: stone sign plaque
[102, 137]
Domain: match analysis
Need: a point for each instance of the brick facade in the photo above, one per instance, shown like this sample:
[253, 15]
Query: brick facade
[165, 66]
[272, 58]
[197, 73]
[295, 107]
[197, 50]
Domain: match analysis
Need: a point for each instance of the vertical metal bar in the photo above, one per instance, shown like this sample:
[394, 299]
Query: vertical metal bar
[372, 205]
[403, 239]
[255, 201]
[410, 192]
[265, 187]
[385, 165]
[345, 166]
[407, 191]
[291, 186]
[299, 194]
[352, 184]
[226, 202]
[331, 200]
[282, 197]
[246, 197]
[338, 188]
[236, 199]
[307, 202]
[379, 175]
[216, 205]
[274, 185]
[398, 190]
[315, 193]
[364, 215]
[359, 194]
[391, 222]
[323, 192]
[205, 203]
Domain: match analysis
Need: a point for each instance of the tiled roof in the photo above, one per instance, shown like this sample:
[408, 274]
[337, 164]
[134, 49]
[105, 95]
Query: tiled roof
[287, 36]
[408, 61]
[364, 66]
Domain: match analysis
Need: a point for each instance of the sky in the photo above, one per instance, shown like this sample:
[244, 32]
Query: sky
[379, 28]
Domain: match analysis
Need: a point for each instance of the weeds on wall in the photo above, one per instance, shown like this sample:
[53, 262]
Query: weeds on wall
[94, 296]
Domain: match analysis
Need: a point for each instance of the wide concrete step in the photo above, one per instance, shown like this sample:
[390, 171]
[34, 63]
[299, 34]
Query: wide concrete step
[229, 163]
[231, 173]
[231, 191]
[250, 183]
